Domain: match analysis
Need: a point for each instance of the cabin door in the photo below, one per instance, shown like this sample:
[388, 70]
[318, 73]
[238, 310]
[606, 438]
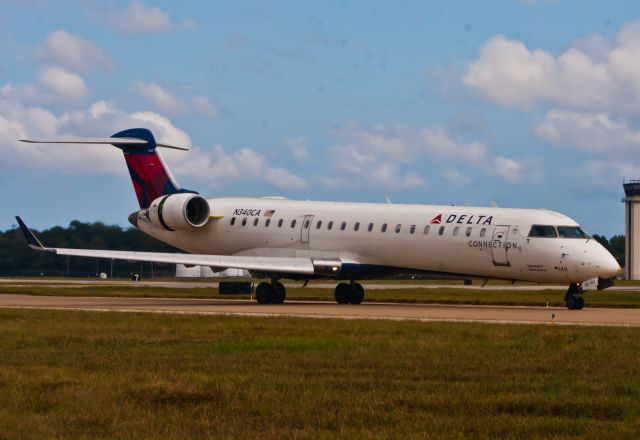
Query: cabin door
[499, 249]
[306, 227]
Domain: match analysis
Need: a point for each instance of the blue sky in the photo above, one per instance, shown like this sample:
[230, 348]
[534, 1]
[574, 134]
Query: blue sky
[521, 103]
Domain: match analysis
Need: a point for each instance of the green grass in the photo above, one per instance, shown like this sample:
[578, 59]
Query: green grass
[487, 296]
[82, 374]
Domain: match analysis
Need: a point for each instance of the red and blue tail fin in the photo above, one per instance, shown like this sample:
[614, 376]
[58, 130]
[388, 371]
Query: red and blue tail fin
[150, 176]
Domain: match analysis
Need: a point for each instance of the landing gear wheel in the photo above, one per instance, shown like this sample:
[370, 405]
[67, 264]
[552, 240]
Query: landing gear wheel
[279, 293]
[264, 293]
[574, 298]
[357, 293]
[343, 293]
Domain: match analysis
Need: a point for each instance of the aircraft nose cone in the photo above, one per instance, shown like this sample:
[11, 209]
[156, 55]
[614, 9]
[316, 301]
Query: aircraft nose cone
[608, 267]
[133, 219]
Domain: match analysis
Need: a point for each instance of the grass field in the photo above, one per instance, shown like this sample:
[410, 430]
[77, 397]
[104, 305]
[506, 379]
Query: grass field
[487, 296]
[82, 374]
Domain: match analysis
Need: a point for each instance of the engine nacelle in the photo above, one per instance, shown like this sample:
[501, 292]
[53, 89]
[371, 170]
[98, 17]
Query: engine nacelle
[179, 211]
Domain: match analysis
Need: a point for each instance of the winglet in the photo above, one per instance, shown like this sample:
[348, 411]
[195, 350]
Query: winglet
[32, 240]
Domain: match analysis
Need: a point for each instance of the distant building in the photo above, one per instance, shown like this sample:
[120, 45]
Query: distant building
[632, 222]
[183, 271]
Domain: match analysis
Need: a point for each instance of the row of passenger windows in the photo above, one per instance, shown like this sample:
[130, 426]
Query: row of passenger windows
[356, 226]
[562, 231]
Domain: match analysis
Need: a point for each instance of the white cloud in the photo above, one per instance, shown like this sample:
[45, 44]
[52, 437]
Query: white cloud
[515, 171]
[284, 179]
[508, 169]
[596, 73]
[298, 147]
[203, 107]
[74, 52]
[438, 143]
[366, 166]
[160, 97]
[386, 140]
[388, 175]
[164, 100]
[63, 83]
[452, 175]
[139, 19]
[591, 131]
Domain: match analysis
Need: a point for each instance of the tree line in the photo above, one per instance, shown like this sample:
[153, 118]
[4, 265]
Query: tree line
[17, 259]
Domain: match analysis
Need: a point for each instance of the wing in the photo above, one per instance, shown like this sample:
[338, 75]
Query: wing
[282, 265]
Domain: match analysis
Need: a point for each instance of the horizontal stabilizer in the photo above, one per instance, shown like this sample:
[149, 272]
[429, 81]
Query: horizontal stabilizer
[109, 140]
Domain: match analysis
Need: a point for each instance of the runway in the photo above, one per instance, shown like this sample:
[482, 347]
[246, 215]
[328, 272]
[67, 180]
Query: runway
[315, 309]
[76, 283]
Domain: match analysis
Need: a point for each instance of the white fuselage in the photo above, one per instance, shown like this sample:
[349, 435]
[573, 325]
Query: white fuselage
[448, 240]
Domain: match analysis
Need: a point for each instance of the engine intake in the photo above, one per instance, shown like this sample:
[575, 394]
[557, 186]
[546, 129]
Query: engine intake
[179, 211]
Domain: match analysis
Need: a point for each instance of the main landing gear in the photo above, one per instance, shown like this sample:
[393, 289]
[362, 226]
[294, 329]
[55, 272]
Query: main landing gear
[275, 293]
[352, 293]
[271, 293]
[574, 298]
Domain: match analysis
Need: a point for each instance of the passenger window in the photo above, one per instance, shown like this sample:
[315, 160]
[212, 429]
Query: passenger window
[293, 223]
[255, 222]
[280, 223]
[456, 230]
[426, 229]
[468, 233]
[343, 226]
[319, 224]
[412, 229]
[330, 225]
[356, 226]
[398, 227]
[542, 231]
[571, 232]
[233, 221]
[384, 227]
[483, 231]
[370, 228]
[306, 224]
[244, 221]
[441, 230]
[267, 222]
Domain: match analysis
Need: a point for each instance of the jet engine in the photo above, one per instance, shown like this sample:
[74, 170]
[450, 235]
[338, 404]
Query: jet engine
[176, 212]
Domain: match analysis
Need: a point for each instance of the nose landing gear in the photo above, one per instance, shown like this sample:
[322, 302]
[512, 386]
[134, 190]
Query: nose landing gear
[574, 298]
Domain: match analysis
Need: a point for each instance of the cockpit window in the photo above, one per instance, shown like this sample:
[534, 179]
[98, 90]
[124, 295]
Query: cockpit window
[571, 232]
[542, 231]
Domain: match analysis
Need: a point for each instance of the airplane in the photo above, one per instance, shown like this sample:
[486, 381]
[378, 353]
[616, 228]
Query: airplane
[275, 237]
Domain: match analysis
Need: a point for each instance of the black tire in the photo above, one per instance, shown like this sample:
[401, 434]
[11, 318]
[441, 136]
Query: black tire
[343, 293]
[357, 294]
[263, 293]
[575, 302]
[279, 294]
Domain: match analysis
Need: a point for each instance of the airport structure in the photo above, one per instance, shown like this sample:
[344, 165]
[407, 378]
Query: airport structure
[632, 219]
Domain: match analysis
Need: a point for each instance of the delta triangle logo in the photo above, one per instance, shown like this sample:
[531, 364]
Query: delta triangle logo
[436, 220]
